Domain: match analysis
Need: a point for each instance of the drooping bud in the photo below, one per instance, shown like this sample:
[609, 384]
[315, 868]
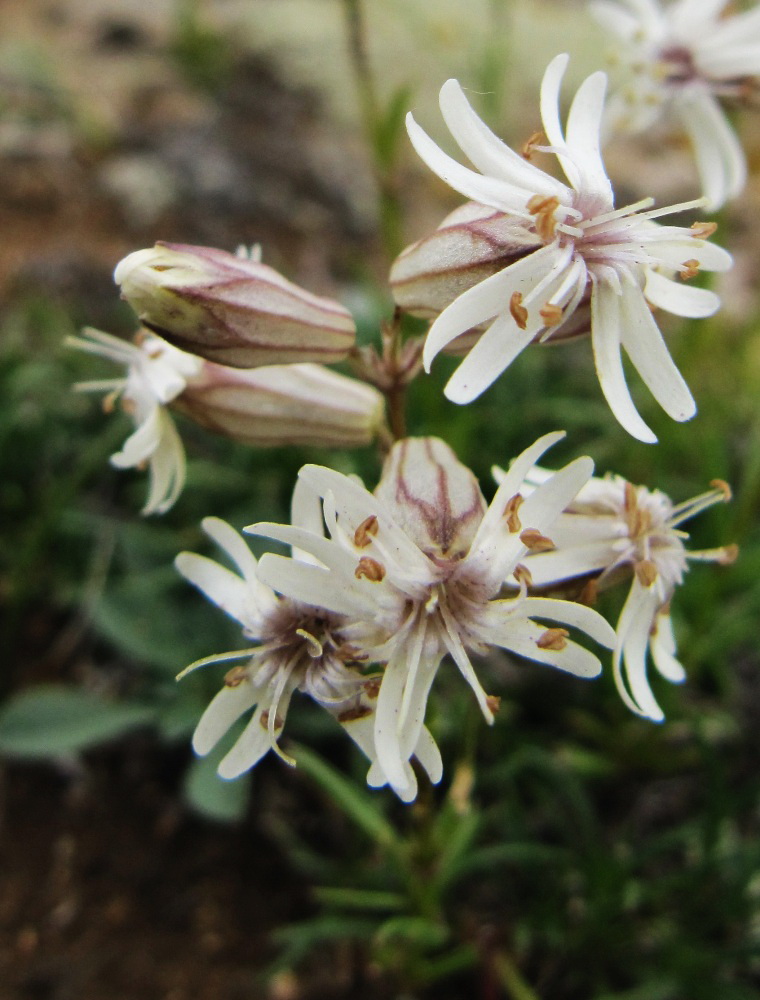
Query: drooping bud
[301, 404]
[471, 244]
[230, 309]
[432, 496]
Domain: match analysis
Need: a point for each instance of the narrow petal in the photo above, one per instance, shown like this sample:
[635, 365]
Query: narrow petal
[221, 586]
[575, 615]
[310, 585]
[550, 88]
[486, 190]
[583, 130]
[141, 444]
[605, 340]
[647, 350]
[720, 157]
[569, 563]
[663, 647]
[427, 753]
[679, 298]
[488, 298]
[249, 748]
[486, 151]
[226, 707]
[521, 636]
[631, 650]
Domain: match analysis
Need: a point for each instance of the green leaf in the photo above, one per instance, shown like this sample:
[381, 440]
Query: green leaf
[52, 719]
[355, 802]
[358, 899]
[417, 930]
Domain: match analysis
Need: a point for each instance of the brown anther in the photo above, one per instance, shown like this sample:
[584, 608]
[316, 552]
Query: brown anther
[522, 574]
[365, 532]
[278, 721]
[543, 208]
[722, 485]
[729, 555]
[510, 512]
[140, 337]
[529, 147]
[352, 714]
[551, 314]
[370, 569]
[553, 638]
[109, 401]
[646, 572]
[372, 687]
[629, 494]
[703, 230]
[518, 310]
[535, 541]
[689, 269]
[235, 677]
[589, 594]
[494, 703]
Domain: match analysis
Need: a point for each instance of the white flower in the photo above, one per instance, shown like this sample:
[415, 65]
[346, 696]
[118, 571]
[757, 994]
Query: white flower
[300, 648]
[620, 254]
[416, 570]
[613, 529]
[681, 57]
[156, 374]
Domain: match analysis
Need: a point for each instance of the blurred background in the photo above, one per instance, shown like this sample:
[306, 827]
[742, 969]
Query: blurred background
[573, 852]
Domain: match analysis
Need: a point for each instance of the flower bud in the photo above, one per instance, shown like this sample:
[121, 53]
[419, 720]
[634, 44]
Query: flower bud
[231, 309]
[432, 496]
[301, 404]
[471, 244]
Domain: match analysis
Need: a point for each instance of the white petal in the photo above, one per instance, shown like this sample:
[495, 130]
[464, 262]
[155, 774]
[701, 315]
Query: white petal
[633, 639]
[387, 738]
[550, 88]
[306, 512]
[226, 707]
[567, 563]
[521, 636]
[486, 190]
[310, 585]
[605, 340]
[679, 298]
[141, 444]
[720, 158]
[663, 647]
[491, 355]
[221, 586]
[583, 127]
[489, 298]
[647, 350]
[575, 615]
[427, 753]
[486, 151]
[249, 748]
[673, 253]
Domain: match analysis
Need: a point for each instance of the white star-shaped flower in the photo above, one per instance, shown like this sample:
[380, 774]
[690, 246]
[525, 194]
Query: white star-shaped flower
[613, 529]
[623, 256]
[156, 374]
[681, 58]
[416, 571]
[299, 647]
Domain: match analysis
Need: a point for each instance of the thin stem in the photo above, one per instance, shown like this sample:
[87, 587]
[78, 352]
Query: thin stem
[389, 206]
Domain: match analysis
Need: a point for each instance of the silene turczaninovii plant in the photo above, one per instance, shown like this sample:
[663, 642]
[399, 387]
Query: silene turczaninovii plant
[386, 587]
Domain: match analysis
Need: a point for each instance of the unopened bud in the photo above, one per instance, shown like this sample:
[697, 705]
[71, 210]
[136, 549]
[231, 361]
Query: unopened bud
[231, 310]
[284, 405]
[432, 496]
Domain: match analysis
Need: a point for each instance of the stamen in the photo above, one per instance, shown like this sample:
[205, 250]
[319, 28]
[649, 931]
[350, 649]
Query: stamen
[722, 485]
[518, 310]
[535, 541]
[279, 722]
[494, 702]
[109, 401]
[365, 532]
[370, 569]
[522, 574]
[510, 512]
[553, 638]
[646, 572]
[235, 677]
[529, 147]
[543, 208]
[314, 646]
[703, 230]
[617, 213]
[689, 269]
[551, 314]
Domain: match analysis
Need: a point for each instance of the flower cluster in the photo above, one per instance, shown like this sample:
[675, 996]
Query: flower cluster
[383, 589]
